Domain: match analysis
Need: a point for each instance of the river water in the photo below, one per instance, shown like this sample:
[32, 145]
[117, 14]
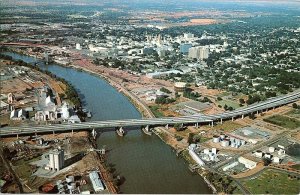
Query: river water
[148, 164]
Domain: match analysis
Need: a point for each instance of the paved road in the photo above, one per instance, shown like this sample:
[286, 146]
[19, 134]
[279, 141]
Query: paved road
[193, 119]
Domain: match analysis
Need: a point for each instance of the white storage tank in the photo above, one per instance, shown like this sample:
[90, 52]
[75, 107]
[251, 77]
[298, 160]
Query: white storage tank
[232, 140]
[259, 154]
[271, 149]
[243, 142]
[225, 143]
[233, 145]
[222, 136]
[206, 151]
[216, 139]
[268, 155]
[214, 150]
[276, 159]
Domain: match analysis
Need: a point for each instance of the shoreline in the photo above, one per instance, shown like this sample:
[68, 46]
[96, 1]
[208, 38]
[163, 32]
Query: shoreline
[137, 104]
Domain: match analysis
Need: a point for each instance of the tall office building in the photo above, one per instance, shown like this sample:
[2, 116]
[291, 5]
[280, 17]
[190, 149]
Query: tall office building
[199, 52]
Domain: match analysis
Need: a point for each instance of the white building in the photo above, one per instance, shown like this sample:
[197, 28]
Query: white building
[56, 160]
[199, 52]
[96, 181]
[18, 115]
[249, 164]
[78, 46]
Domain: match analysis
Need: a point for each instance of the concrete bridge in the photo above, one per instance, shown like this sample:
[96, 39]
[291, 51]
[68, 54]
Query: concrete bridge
[145, 123]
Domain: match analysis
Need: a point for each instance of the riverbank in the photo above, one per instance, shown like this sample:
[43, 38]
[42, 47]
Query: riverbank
[81, 158]
[123, 149]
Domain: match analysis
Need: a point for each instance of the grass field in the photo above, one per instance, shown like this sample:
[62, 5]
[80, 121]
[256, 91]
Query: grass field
[228, 126]
[294, 113]
[273, 182]
[156, 112]
[283, 121]
[229, 103]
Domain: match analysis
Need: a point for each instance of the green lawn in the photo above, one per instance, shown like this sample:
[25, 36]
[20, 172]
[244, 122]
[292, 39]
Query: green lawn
[155, 111]
[229, 103]
[294, 113]
[283, 121]
[273, 182]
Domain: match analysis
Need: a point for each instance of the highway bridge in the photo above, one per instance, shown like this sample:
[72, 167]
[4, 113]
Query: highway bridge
[146, 122]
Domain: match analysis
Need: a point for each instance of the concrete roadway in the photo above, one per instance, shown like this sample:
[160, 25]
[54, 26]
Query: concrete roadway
[193, 119]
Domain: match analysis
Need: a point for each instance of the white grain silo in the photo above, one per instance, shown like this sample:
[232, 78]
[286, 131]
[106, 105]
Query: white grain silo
[216, 139]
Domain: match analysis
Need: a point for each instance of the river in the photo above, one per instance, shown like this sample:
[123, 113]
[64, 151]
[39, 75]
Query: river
[147, 163]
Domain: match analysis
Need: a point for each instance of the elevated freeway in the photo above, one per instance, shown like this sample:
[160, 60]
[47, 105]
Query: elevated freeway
[193, 119]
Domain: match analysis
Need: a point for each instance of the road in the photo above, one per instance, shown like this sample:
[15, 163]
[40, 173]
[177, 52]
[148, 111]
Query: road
[193, 119]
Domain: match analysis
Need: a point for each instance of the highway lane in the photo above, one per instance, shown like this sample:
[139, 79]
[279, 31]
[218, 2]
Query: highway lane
[269, 103]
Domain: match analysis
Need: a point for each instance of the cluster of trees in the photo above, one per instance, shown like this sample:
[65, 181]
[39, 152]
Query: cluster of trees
[253, 99]
[296, 106]
[164, 100]
[191, 95]
[221, 182]
[230, 108]
[165, 90]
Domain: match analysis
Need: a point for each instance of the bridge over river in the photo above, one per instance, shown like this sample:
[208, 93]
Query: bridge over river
[146, 122]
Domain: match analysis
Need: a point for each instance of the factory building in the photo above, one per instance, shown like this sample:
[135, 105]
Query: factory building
[56, 160]
[96, 181]
[249, 164]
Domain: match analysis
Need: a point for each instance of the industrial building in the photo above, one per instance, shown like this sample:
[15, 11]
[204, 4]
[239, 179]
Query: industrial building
[96, 181]
[249, 164]
[56, 160]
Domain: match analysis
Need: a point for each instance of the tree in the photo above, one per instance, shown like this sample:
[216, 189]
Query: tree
[178, 127]
[295, 106]
[242, 101]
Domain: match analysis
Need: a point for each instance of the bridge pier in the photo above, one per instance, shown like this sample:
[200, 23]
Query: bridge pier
[72, 131]
[212, 124]
[17, 136]
[221, 121]
[120, 131]
[53, 132]
[232, 119]
[197, 125]
[167, 126]
[242, 116]
[257, 112]
[94, 133]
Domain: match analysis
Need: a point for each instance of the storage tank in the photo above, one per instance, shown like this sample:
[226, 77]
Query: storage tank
[214, 150]
[276, 159]
[216, 139]
[233, 145]
[243, 142]
[232, 139]
[268, 155]
[71, 186]
[271, 149]
[212, 157]
[69, 178]
[259, 154]
[206, 151]
[222, 136]
[225, 143]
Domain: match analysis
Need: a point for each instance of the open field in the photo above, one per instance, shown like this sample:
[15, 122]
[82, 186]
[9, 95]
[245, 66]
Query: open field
[294, 113]
[229, 103]
[274, 182]
[227, 126]
[283, 121]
